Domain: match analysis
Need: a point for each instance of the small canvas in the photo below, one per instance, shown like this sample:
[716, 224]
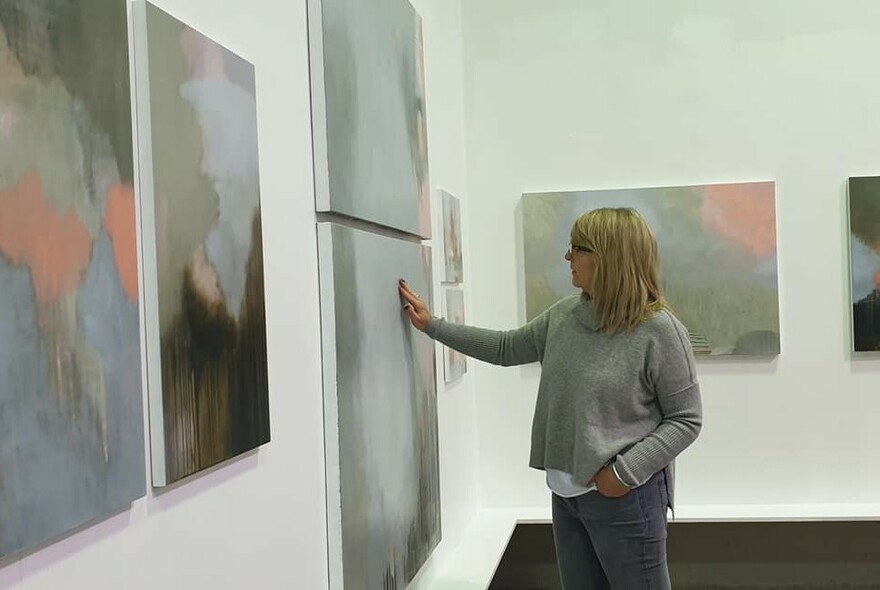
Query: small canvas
[71, 400]
[717, 257]
[864, 223]
[208, 386]
[368, 119]
[380, 409]
[452, 238]
[455, 363]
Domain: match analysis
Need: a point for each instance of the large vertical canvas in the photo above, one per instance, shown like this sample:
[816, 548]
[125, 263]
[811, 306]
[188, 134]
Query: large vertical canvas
[208, 384]
[454, 362]
[717, 257]
[864, 223]
[71, 400]
[380, 409]
[452, 238]
[368, 103]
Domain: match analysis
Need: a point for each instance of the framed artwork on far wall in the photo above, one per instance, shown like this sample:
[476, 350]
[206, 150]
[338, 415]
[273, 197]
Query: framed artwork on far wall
[718, 262]
[864, 243]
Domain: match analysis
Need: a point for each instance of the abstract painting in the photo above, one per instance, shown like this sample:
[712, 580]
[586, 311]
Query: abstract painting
[380, 408]
[368, 101]
[864, 223]
[452, 238]
[717, 257]
[71, 400]
[210, 402]
[454, 363]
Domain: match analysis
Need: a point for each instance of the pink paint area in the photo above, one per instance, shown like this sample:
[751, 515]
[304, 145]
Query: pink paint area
[420, 53]
[204, 57]
[55, 247]
[742, 214]
[204, 277]
[119, 219]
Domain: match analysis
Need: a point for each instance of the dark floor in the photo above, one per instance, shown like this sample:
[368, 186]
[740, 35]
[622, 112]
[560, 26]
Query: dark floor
[728, 556]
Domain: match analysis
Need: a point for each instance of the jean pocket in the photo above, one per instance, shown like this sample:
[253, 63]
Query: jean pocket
[629, 494]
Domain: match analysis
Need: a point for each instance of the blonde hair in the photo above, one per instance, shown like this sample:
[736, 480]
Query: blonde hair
[626, 280]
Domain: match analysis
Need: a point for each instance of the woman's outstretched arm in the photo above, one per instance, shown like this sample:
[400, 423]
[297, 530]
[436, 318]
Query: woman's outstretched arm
[499, 347]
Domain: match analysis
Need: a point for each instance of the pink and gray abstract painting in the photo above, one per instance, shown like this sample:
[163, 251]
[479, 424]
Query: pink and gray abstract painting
[208, 250]
[71, 405]
[717, 257]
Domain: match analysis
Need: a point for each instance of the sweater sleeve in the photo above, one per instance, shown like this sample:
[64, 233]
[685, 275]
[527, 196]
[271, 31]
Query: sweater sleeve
[499, 347]
[671, 370]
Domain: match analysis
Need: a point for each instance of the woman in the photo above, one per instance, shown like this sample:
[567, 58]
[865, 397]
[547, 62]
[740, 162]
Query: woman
[617, 402]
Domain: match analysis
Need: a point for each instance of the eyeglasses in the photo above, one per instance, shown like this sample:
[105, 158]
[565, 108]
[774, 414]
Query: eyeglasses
[572, 248]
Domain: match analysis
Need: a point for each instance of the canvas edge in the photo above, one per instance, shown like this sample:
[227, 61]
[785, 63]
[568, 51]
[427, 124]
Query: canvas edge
[149, 264]
[425, 231]
[778, 351]
[262, 241]
[448, 376]
[427, 257]
[519, 229]
[139, 248]
[447, 366]
[445, 196]
[456, 205]
[320, 162]
[441, 239]
[850, 291]
[333, 479]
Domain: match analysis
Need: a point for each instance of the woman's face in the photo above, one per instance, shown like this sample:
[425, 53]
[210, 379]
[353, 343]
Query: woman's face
[583, 264]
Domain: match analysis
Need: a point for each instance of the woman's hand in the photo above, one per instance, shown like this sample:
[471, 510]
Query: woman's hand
[414, 308]
[608, 484]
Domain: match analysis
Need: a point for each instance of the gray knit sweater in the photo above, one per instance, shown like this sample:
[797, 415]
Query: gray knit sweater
[630, 397]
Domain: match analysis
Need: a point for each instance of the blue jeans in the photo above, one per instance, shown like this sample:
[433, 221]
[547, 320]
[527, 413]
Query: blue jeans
[613, 543]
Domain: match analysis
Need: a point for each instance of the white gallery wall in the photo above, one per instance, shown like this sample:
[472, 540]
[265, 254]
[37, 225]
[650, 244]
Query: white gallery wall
[565, 95]
[260, 521]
